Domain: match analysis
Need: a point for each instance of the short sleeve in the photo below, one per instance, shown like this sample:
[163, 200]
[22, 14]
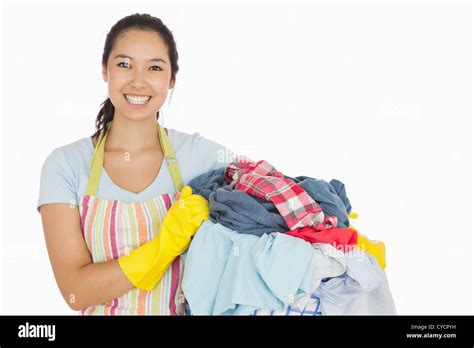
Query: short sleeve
[57, 182]
[212, 155]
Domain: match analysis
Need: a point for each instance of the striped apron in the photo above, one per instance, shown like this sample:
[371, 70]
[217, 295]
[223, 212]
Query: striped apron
[113, 228]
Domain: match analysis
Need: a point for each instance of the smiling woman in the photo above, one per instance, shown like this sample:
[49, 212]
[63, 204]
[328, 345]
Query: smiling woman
[139, 59]
[114, 228]
[137, 76]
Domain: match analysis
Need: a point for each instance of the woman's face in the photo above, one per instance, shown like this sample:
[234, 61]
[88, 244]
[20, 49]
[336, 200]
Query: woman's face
[138, 74]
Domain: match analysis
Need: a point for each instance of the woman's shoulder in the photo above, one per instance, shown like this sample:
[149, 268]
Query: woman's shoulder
[198, 154]
[71, 154]
[61, 172]
[195, 143]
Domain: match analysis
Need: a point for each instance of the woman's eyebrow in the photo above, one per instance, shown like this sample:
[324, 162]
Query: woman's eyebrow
[151, 60]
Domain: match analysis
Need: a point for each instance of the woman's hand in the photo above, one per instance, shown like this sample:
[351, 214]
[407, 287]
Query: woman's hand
[183, 220]
[145, 266]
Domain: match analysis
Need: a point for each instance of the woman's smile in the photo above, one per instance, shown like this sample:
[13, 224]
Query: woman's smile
[137, 101]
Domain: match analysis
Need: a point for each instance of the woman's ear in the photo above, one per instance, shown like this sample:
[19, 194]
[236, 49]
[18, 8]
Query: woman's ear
[104, 73]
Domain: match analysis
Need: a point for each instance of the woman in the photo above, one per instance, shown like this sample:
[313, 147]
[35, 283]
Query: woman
[114, 226]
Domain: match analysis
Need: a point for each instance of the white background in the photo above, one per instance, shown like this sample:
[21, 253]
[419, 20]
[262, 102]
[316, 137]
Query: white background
[375, 94]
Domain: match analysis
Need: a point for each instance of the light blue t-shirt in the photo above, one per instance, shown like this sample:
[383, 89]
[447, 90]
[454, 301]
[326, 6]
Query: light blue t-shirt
[65, 171]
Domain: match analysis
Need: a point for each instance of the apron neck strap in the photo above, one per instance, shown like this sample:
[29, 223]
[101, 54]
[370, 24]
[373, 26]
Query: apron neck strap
[170, 158]
[97, 160]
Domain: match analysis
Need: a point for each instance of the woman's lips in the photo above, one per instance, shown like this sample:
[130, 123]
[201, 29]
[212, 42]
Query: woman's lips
[137, 106]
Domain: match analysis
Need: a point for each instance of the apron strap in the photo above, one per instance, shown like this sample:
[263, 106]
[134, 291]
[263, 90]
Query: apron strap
[97, 161]
[171, 160]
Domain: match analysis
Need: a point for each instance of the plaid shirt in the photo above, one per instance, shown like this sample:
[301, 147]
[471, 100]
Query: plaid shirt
[295, 206]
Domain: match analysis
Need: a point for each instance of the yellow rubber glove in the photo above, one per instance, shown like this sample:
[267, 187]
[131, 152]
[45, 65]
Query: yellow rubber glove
[145, 266]
[374, 247]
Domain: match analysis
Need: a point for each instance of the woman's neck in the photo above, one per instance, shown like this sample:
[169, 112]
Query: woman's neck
[132, 136]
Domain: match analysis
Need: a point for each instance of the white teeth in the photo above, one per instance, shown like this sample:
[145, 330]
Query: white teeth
[137, 100]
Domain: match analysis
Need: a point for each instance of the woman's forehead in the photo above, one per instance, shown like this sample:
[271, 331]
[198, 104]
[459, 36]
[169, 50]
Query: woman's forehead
[135, 43]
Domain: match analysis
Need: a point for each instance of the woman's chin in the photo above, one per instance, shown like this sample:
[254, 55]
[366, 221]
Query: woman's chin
[137, 116]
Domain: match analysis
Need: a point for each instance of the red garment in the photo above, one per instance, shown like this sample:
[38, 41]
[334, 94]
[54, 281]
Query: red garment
[341, 238]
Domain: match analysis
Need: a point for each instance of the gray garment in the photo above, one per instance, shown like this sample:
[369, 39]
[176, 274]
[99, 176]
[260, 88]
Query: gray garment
[247, 214]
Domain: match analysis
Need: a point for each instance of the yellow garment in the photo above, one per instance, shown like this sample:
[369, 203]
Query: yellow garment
[145, 266]
[373, 247]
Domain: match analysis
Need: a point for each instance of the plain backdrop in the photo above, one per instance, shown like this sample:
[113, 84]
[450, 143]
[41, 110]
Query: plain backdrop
[375, 94]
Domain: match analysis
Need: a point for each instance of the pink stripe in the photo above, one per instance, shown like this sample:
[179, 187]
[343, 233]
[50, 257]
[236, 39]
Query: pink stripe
[167, 200]
[119, 227]
[113, 245]
[174, 284]
[113, 307]
[85, 208]
[112, 231]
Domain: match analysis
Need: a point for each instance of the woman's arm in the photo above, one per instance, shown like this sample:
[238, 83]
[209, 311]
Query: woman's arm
[82, 283]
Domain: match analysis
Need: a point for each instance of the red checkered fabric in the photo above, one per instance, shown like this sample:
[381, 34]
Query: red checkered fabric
[262, 180]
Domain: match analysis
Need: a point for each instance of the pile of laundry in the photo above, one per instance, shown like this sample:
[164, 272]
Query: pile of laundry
[276, 245]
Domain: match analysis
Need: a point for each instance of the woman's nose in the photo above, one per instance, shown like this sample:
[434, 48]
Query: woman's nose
[138, 81]
[138, 84]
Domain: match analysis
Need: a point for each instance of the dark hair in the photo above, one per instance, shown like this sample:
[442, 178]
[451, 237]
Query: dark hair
[140, 22]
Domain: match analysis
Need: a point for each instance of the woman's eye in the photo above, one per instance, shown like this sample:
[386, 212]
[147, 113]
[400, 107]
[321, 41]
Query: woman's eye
[154, 68]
